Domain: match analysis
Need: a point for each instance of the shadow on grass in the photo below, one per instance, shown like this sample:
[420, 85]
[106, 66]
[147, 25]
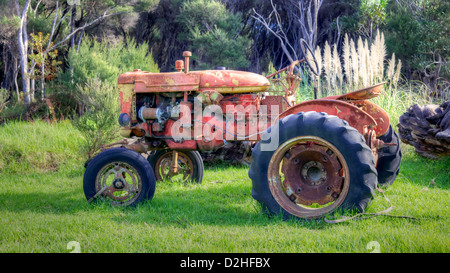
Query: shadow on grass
[39, 202]
[189, 206]
[177, 206]
[218, 203]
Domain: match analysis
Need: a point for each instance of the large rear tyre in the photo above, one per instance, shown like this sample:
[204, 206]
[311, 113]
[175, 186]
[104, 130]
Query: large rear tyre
[389, 159]
[189, 165]
[321, 165]
[119, 175]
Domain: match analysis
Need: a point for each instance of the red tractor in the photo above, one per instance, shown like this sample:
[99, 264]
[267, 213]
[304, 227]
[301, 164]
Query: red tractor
[308, 159]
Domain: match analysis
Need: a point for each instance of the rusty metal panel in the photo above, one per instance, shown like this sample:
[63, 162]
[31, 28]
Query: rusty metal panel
[185, 145]
[223, 81]
[127, 100]
[231, 81]
[375, 111]
[364, 93]
[126, 78]
[166, 82]
[275, 100]
[357, 118]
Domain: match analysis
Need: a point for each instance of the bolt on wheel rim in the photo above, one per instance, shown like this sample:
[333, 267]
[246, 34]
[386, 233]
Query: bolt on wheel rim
[308, 177]
[122, 182]
[185, 167]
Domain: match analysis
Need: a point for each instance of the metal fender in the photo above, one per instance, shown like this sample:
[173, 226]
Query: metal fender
[356, 117]
[361, 94]
[375, 111]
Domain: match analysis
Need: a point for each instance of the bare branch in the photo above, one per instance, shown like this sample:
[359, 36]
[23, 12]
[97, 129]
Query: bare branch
[300, 23]
[105, 15]
[261, 19]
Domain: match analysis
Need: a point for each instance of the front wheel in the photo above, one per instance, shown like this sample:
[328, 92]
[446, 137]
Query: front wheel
[119, 175]
[320, 166]
[189, 165]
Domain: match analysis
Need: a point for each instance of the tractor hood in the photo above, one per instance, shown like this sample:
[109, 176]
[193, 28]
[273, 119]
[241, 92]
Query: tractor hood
[223, 81]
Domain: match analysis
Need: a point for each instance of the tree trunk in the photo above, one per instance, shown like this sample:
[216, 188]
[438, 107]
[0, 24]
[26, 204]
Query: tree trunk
[427, 128]
[43, 80]
[16, 73]
[22, 39]
[72, 39]
[32, 86]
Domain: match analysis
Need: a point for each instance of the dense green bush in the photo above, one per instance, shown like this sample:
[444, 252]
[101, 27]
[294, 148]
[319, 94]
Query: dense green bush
[105, 60]
[417, 32]
[214, 34]
[90, 86]
[4, 94]
[98, 124]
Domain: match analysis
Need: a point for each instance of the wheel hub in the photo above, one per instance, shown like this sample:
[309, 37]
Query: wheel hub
[122, 181]
[119, 184]
[164, 167]
[311, 174]
[314, 173]
[308, 176]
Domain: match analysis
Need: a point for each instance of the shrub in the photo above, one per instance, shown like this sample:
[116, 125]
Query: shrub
[104, 61]
[3, 97]
[214, 33]
[98, 124]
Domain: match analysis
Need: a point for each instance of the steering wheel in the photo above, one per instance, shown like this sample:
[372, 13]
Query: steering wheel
[306, 49]
[311, 63]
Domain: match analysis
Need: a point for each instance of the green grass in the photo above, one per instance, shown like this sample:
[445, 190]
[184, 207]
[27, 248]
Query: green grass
[43, 208]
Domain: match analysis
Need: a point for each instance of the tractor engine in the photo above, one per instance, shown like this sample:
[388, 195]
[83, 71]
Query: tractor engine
[198, 110]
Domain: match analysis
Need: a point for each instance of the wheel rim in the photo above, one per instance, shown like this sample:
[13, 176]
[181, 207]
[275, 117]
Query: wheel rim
[121, 183]
[163, 167]
[308, 177]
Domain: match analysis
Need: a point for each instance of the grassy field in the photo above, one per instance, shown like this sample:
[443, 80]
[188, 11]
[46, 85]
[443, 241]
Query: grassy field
[43, 208]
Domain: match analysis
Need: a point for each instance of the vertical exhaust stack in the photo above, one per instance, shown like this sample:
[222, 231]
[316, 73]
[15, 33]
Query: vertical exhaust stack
[186, 55]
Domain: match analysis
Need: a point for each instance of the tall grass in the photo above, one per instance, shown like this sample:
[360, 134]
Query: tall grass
[38, 147]
[359, 64]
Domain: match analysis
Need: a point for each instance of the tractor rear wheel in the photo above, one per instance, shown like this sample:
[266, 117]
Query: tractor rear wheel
[389, 159]
[189, 165]
[321, 165]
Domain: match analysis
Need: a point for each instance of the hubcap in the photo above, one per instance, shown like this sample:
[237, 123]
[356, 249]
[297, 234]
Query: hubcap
[122, 181]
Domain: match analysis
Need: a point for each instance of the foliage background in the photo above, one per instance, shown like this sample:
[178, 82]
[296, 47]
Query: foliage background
[42, 206]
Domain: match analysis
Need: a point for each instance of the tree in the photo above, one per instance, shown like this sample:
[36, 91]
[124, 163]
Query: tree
[419, 33]
[214, 34]
[9, 50]
[22, 41]
[369, 16]
[45, 61]
[302, 22]
[59, 17]
[434, 46]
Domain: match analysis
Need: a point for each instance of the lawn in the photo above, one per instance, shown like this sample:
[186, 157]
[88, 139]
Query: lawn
[43, 208]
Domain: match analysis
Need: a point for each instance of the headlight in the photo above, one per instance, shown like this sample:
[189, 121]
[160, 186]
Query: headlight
[124, 119]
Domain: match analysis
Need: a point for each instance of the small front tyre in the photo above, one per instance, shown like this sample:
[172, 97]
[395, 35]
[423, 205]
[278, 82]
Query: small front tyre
[190, 165]
[119, 175]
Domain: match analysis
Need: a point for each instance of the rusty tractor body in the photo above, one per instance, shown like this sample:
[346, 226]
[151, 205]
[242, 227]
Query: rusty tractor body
[310, 158]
